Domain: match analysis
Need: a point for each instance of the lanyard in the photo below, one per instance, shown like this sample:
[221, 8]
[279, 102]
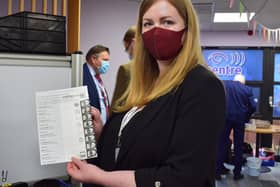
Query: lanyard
[127, 117]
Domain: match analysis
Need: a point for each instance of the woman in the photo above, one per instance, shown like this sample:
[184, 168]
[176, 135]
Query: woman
[165, 130]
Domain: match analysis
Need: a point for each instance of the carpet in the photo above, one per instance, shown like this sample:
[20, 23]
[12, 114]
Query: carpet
[246, 182]
[269, 183]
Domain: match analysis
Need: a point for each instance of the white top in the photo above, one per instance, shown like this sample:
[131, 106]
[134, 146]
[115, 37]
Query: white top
[101, 99]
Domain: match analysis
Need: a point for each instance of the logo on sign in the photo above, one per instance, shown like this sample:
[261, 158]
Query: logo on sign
[228, 64]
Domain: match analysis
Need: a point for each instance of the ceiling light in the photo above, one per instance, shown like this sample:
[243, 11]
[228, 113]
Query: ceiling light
[232, 17]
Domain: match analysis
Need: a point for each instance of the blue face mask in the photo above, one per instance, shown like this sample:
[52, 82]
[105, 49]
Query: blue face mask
[104, 66]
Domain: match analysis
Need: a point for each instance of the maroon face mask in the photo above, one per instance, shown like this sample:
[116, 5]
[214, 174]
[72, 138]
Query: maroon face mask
[163, 44]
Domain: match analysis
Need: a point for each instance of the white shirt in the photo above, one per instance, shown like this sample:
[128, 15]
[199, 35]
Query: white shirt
[101, 99]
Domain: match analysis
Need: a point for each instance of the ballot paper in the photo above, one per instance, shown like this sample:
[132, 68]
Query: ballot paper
[65, 126]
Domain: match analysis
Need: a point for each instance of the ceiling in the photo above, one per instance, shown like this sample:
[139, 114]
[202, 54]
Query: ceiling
[267, 13]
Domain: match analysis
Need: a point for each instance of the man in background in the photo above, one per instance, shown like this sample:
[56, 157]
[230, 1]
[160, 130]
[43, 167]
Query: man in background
[123, 75]
[240, 105]
[97, 62]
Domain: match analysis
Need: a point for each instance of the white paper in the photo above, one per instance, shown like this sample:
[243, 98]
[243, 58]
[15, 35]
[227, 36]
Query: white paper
[64, 125]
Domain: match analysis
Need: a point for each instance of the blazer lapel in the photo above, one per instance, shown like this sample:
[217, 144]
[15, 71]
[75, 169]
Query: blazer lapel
[136, 125]
[92, 90]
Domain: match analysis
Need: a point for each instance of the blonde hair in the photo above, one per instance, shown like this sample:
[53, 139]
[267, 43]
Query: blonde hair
[144, 69]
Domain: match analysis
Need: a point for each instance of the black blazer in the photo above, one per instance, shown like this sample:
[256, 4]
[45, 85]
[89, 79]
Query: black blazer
[92, 90]
[173, 139]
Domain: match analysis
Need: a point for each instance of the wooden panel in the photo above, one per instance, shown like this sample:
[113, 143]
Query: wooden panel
[73, 26]
[10, 4]
[33, 5]
[54, 7]
[21, 5]
[45, 6]
[63, 7]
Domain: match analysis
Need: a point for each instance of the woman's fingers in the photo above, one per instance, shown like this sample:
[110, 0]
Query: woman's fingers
[76, 168]
[97, 122]
[71, 168]
[77, 162]
[94, 111]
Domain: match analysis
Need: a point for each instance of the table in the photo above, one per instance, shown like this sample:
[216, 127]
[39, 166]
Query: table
[274, 129]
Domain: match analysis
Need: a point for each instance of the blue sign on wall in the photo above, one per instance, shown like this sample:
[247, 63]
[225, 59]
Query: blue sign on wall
[227, 63]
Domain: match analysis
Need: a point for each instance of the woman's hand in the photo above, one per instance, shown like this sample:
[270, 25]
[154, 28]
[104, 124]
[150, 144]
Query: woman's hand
[84, 172]
[97, 122]
[88, 173]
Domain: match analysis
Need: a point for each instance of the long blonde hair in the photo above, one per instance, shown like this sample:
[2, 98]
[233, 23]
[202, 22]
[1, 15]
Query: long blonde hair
[144, 69]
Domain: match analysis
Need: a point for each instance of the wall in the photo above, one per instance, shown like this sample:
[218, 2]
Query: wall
[234, 39]
[104, 22]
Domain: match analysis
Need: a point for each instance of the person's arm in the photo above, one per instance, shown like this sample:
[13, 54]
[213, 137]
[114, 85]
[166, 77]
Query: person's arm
[252, 104]
[120, 86]
[88, 173]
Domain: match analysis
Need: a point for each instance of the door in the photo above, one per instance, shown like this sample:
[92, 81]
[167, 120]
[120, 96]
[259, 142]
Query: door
[274, 99]
[269, 103]
[271, 96]
[271, 89]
